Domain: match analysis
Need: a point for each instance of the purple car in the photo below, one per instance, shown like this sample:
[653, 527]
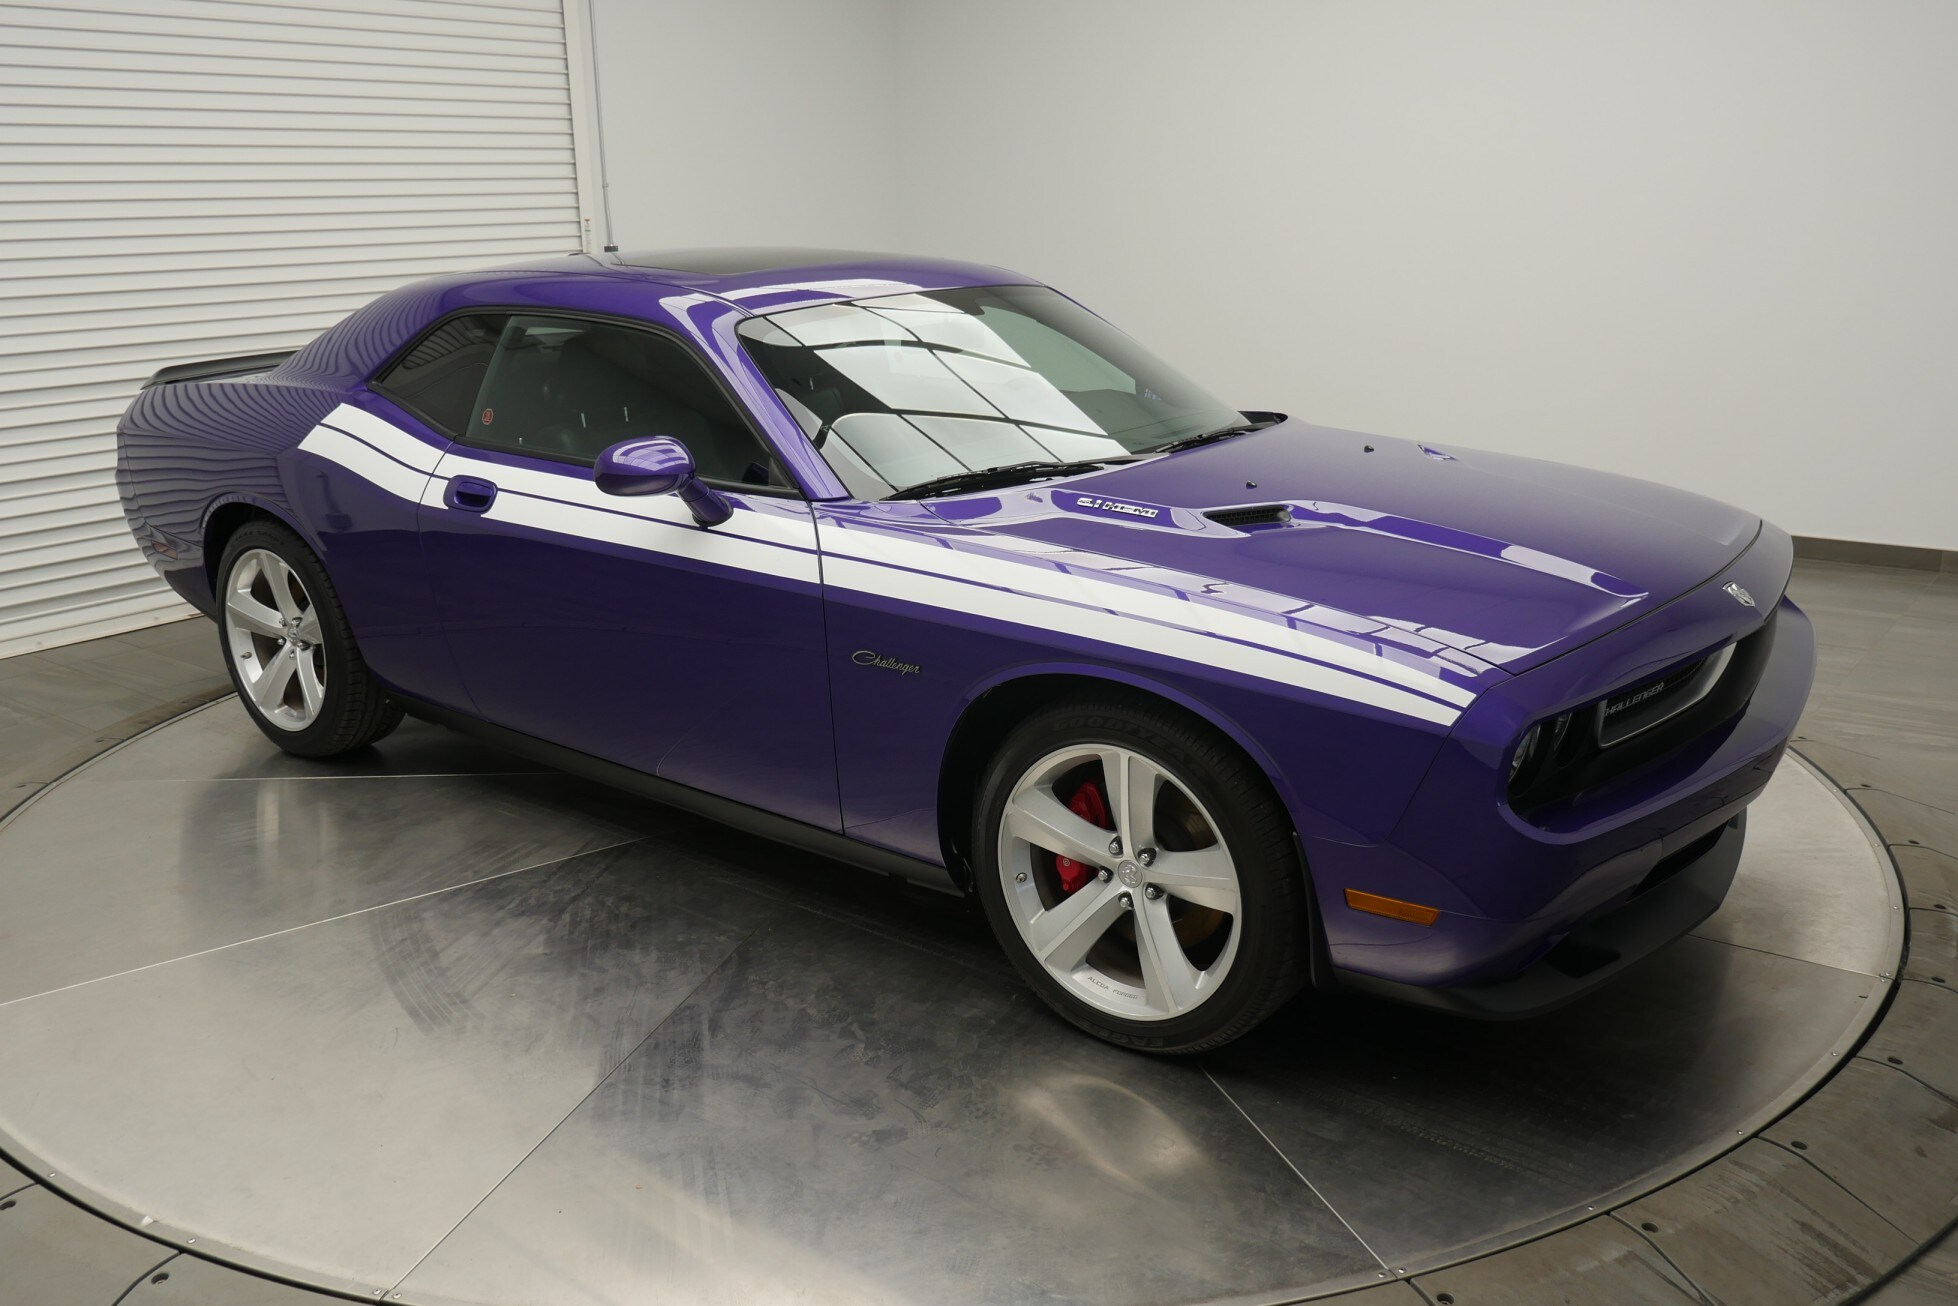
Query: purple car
[921, 565]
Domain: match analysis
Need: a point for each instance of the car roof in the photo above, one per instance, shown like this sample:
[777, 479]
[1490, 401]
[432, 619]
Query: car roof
[765, 278]
[758, 280]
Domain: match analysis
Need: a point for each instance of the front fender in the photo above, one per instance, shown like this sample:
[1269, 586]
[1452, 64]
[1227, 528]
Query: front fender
[1137, 681]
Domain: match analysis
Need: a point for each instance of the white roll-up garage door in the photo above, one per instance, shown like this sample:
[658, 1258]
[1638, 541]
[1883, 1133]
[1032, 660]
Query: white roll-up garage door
[187, 179]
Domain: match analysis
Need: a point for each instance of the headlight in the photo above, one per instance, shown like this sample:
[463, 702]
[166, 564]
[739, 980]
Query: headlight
[1525, 750]
[1540, 751]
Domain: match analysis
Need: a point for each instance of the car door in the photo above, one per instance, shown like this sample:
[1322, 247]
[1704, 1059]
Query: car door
[620, 627]
[357, 481]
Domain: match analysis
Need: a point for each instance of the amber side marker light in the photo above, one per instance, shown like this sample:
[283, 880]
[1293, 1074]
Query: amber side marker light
[1393, 908]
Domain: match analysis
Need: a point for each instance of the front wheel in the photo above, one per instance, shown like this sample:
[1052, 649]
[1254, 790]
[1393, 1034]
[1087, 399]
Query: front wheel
[290, 651]
[1141, 875]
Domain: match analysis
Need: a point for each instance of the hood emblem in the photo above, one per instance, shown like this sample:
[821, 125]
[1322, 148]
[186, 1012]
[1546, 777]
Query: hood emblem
[1094, 503]
[1117, 506]
[1739, 593]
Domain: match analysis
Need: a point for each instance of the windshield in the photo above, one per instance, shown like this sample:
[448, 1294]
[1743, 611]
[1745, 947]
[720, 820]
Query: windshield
[904, 389]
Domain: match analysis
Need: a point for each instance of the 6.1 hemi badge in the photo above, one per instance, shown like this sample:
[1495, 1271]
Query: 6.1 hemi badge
[1113, 507]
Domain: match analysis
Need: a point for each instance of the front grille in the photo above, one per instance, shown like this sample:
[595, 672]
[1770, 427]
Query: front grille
[1608, 738]
[1642, 707]
[1264, 514]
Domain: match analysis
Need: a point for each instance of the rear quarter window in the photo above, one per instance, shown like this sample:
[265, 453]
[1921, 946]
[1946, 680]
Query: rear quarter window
[438, 379]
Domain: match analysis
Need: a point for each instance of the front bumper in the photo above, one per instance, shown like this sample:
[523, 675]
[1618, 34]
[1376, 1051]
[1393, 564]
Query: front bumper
[1597, 950]
[1510, 889]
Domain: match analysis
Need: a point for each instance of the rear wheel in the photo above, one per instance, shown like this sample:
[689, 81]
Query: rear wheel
[290, 651]
[1141, 875]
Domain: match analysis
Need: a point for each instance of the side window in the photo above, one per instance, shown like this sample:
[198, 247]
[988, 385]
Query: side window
[565, 388]
[438, 379]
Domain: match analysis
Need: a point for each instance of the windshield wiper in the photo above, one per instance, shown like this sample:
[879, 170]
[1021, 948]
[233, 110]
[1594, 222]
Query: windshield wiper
[988, 478]
[1211, 437]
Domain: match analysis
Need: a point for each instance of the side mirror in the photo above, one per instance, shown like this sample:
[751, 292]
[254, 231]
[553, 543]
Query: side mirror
[661, 465]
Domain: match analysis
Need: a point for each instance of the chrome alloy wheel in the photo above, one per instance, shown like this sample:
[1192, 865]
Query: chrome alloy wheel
[1134, 912]
[272, 631]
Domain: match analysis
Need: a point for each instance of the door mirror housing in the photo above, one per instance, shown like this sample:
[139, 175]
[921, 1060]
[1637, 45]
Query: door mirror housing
[660, 465]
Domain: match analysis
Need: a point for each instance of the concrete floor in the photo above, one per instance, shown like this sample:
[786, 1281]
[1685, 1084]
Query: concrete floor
[1883, 722]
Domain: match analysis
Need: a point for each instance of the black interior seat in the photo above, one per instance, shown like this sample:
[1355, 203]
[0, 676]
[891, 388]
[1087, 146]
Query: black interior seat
[574, 390]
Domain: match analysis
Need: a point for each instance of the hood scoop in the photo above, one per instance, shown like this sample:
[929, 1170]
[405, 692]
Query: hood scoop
[1262, 514]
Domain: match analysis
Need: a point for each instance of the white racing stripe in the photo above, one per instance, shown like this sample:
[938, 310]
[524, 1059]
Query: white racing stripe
[791, 527]
[1032, 593]
[1048, 580]
[385, 436]
[634, 532]
[1128, 632]
[365, 462]
[542, 501]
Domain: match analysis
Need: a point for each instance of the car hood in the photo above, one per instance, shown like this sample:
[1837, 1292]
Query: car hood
[1509, 560]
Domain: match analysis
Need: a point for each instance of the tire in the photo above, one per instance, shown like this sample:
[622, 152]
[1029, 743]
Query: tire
[1211, 818]
[289, 650]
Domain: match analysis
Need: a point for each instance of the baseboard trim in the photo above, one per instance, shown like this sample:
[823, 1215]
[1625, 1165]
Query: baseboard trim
[1876, 555]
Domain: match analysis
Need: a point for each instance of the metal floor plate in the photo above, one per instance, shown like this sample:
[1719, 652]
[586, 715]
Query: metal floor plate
[437, 1025]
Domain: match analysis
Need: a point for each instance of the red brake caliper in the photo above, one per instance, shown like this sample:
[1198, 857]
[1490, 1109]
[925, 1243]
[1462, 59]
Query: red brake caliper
[1091, 805]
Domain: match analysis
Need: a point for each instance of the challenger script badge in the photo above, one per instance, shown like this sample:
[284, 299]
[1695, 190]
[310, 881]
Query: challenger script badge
[865, 657]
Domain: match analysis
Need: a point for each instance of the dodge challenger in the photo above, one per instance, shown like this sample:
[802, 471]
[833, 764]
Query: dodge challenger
[922, 565]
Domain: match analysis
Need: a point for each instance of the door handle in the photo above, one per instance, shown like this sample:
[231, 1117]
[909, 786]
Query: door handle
[469, 494]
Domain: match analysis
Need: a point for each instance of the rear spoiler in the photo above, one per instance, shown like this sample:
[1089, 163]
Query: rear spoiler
[213, 369]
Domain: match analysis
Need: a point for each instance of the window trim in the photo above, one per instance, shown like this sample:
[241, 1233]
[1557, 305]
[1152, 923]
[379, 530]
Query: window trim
[793, 490]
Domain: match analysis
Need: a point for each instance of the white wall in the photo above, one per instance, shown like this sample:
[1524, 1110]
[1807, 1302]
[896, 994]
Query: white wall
[737, 122]
[1711, 242]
